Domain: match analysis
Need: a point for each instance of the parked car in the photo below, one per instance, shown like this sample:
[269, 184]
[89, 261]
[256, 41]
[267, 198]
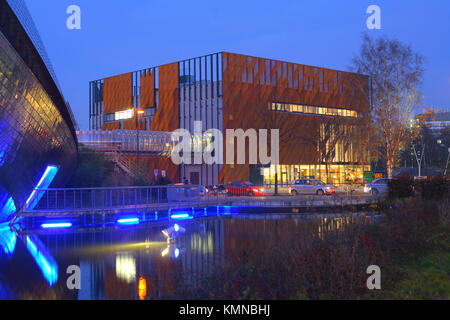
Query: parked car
[216, 189]
[244, 188]
[311, 186]
[379, 186]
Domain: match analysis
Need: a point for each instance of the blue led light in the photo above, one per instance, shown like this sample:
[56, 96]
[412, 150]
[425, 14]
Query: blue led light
[177, 252]
[176, 228]
[227, 210]
[128, 221]
[45, 181]
[43, 259]
[181, 216]
[59, 225]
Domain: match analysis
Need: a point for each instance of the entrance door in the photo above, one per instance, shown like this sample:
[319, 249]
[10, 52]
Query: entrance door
[194, 178]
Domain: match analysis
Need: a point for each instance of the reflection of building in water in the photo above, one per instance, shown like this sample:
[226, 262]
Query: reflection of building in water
[126, 267]
[247, 236]
[204, 248]
[114, 262]
[335, 224]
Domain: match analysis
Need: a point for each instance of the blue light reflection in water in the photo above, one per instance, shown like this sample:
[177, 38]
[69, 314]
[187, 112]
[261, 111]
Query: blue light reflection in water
[8, 209]
[43, 259]
[8, 240]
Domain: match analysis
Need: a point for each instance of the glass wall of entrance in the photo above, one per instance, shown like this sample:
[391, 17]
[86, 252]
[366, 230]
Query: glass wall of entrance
[335, 174]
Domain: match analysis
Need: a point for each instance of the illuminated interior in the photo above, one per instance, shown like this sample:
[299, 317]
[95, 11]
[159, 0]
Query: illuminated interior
[336, 173]
[296, 108]
[124, 115]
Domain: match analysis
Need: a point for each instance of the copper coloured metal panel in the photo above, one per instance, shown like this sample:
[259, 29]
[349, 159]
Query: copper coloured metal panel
[148, 89]
[117, 93]
[250, 84]
[167, 116]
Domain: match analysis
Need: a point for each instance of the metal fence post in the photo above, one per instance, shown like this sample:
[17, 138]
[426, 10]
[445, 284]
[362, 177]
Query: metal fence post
[135, 197]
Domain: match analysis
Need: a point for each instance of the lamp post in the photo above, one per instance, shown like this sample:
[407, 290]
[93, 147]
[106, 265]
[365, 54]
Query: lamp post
[446, 165]
[139, 113]
[419, 157]
[448, 156]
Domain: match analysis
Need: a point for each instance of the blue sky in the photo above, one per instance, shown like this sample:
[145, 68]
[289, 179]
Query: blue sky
[119, 36]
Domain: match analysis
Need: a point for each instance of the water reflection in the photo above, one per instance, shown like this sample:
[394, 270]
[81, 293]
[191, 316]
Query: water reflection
[126, 267]
[7, 241]
[43, 258]
[145, 261]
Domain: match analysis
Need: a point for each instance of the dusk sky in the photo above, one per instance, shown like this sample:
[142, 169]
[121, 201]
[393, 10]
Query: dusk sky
[120, 36]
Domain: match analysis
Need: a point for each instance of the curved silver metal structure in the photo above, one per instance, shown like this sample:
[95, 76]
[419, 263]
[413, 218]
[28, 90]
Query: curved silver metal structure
[37, 135]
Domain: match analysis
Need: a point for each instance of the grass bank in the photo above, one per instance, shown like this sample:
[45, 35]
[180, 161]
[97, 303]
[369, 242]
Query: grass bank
[310, 261]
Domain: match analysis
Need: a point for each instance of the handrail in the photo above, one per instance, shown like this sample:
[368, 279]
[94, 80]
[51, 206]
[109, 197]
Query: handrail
[120, 188]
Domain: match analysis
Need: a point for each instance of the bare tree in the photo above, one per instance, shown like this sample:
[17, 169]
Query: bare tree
[295, 131]
[396, 74]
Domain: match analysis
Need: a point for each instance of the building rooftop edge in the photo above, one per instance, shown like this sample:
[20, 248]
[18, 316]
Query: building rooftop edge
[228, 52]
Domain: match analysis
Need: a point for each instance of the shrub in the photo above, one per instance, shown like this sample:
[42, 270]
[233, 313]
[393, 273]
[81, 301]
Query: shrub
[93, 170]
[435, 188]
[401, 188]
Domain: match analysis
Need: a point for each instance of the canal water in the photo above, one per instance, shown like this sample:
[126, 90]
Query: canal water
[137, 261]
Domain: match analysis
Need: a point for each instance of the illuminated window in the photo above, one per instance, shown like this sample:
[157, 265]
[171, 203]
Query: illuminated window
[124, 115]
[294, 108]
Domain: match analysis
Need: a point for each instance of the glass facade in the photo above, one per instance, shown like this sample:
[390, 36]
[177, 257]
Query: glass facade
[336, 174]
[33, 133]
[20, 9]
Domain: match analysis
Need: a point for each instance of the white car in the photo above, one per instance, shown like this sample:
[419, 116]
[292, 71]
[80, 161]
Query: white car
[379, 186]
[310, 186]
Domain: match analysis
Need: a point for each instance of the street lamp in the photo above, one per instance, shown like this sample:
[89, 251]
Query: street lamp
[419, 157]
[139, 113]
[448, 157]
[446, 165]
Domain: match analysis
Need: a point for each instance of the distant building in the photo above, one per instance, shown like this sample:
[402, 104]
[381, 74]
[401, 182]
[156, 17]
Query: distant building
[436, 119]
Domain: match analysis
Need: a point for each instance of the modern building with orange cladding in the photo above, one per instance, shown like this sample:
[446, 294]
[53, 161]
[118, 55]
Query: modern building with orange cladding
[320, 114]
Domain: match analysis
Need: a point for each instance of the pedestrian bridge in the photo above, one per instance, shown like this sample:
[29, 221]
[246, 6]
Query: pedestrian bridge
[152, 143]
[113, 200]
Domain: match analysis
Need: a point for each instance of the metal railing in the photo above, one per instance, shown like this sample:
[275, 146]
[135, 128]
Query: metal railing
[163, 197]
[123, 197]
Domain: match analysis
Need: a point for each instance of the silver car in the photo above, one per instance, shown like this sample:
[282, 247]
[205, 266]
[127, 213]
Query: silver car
[379, 186]
[310, 186]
